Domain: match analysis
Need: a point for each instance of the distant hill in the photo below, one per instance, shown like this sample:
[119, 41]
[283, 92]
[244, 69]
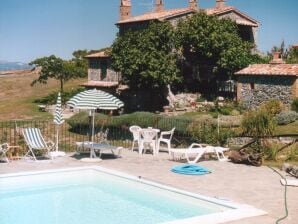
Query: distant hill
[7, 66]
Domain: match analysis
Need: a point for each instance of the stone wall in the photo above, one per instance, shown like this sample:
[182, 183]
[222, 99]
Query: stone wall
[254, 90]
[246, 32]
[96, 66]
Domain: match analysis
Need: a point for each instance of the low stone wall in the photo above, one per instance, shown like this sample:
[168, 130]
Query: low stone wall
[239, 141]
[264, 89]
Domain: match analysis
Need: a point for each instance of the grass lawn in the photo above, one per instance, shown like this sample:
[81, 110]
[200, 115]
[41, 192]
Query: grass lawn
[287, 129]
[17, 96]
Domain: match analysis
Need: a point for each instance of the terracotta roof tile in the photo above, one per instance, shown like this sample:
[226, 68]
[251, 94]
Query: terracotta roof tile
[100, 54]
[100, 84]
[157, 15]
[247, 20]
[270, 69]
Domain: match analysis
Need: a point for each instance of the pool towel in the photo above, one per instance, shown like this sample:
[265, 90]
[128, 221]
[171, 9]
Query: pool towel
[190, 169]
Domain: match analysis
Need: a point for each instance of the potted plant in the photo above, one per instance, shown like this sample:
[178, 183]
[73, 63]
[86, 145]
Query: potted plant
[166, 109]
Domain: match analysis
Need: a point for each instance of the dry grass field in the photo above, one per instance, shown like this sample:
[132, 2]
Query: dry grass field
[17, 96]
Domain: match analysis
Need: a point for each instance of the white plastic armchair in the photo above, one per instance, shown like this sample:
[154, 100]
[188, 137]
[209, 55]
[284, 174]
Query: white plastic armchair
[135, 130]
[166, 138]
[147, 138]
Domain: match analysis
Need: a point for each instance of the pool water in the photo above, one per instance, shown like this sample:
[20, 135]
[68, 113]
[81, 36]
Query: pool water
[92, 197]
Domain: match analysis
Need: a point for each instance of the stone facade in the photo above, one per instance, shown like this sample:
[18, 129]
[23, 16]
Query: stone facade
[254, 90]
[100, 70]
[247, 33]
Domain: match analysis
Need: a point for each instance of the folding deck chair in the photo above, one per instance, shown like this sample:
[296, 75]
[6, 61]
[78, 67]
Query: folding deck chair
[36, 142]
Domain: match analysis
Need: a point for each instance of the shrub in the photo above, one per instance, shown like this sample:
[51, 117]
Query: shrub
[225, 110]
[270, 150]
[208, 133]
[294, 105]
[80, 121]
[180, 123]
[204, 131]
[286, 117]
[235, 113]
[52, 97]
[258, 123]
[273, 107]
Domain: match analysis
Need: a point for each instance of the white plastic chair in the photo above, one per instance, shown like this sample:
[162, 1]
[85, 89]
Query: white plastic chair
[165, 137]
[147, 138]
[3, 149]
[135, 130]
[35, 141]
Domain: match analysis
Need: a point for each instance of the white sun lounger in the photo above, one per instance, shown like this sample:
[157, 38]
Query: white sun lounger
[290, 182]
[196, 151]
[100, 147]
[35, 141]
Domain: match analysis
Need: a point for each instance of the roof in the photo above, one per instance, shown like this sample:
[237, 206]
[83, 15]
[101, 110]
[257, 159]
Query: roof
[245, 20]
[163, 15]
[100, 84]
[270, 69]
[100, 54]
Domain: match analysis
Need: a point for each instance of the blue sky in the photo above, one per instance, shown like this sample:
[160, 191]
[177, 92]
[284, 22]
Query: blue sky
[36, 28]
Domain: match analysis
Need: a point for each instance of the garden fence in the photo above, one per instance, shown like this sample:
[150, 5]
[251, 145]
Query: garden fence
[185, 133]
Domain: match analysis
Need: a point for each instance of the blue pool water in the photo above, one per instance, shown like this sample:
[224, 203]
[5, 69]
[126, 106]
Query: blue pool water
[92, 197]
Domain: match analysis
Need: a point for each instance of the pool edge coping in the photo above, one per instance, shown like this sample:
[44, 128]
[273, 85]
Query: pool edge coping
[237, 211]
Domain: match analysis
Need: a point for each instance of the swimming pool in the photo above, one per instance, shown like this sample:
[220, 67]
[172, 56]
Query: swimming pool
[93, 195]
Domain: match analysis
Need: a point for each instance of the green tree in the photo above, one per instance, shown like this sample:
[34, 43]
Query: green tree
[204, 39]
[292, 57]
[80, 60]
[56, 68]
[146, 58]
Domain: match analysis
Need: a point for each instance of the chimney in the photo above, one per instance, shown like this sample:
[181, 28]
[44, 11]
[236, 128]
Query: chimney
[125, 9]
[193, 4]
[220, 4]
[158, 5]
[277, 58]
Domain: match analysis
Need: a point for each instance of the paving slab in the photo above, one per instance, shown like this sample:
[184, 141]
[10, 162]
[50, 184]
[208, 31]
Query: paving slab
[256, 186]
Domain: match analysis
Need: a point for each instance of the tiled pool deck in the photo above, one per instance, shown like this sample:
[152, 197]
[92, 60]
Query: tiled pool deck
[256, 186]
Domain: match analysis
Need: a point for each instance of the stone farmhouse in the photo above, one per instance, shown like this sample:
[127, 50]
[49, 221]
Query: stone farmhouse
[262, 82]
[101, 76]
[247, 26]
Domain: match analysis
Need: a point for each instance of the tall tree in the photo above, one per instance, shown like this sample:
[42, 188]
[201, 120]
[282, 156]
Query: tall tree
[56, 68]
[207, 39]
[292, 56]
[146, 58]
[79, 59]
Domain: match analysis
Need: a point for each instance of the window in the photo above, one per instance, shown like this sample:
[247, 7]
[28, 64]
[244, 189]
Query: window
[104, 68]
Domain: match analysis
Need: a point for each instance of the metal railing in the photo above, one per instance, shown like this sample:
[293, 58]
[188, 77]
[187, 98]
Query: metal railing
[185, 133]
[11, 132]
